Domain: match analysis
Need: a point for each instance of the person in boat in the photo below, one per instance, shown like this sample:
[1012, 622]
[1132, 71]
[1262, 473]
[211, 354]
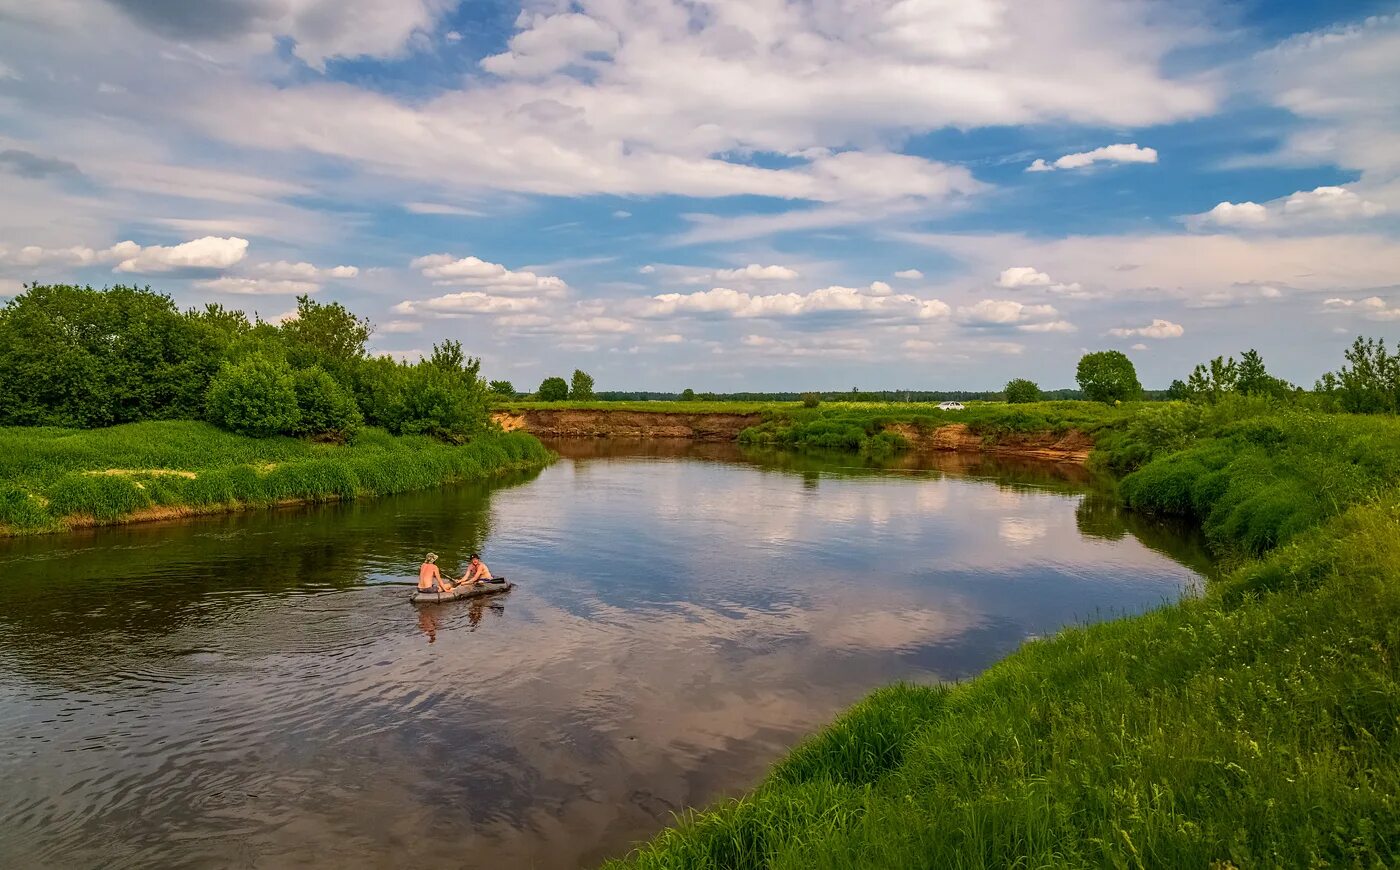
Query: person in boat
[430, 579]
[477, 572]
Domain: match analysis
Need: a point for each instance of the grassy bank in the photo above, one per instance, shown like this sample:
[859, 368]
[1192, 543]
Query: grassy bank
[1256, 725]
[53, 479]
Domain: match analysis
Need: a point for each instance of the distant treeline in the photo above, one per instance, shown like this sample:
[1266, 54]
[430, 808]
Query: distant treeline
[846, 396]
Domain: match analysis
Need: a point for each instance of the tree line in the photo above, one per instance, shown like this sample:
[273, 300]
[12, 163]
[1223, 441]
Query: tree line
[78, 357]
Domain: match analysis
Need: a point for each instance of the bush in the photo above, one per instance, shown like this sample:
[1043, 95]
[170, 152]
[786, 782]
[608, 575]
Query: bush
[553, 390]
[811, 400]
[254, 397]
[1020, 391]
[327, 409]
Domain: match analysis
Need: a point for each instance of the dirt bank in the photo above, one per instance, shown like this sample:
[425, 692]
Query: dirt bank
[1072, 446]
[560, 423]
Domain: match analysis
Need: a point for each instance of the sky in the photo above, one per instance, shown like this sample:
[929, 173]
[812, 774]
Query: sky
[727, 196]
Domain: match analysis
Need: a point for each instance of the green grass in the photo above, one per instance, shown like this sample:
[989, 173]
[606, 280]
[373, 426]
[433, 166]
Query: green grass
[52, 479]
[1257, 725]
[696, 407]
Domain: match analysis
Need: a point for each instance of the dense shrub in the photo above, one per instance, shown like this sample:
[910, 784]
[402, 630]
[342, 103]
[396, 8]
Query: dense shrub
[326, 408]
[811, 400]
[254, 397]
[1020, 391]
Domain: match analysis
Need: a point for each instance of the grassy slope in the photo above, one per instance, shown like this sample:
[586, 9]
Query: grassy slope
[1258, 725]
[48, 480]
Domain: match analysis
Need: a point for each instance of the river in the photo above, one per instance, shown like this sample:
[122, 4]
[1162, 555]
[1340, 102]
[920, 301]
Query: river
[253, 690]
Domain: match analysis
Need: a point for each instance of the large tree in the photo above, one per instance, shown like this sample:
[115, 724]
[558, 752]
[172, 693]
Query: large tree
[553, 390]
[1108, 376]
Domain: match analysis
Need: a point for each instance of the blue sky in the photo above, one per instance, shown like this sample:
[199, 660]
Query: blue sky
[727, 195]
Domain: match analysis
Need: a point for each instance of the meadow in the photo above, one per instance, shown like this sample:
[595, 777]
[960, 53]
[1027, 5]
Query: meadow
[54, 478]
[1257, 725]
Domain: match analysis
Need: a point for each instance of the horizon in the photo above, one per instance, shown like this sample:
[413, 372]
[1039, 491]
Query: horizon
[728, 197]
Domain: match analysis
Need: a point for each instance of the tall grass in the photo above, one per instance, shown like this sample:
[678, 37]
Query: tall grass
[1255, 726]
[51, 478]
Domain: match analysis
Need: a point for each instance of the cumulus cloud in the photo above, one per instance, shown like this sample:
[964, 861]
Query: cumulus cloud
[1158, 328]
[1010, 313]
[1372, 307]
[755, 272]
[444, 269]
[1023, 277]
[834, 300]
[909, 274]
[470, 302]
[282, 269]
[1122, 152]
[210, 252]
[257, 286]
[1327, 204]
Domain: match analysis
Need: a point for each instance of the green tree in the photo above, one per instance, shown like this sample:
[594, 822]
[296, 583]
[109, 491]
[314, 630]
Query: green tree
[1370, 384]
[1209, 383]
[445, 396]
[326, 409]
[1253, 379]
[581, 386]
[328, 335]
[1108, 376]
[687, 395]
[1019, 391]
[501, 388]
[256, 396]
[811, 400]
[553, 390]
[1178, 391]
[75, 356]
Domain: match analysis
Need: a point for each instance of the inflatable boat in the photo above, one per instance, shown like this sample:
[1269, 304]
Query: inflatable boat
[489, 587]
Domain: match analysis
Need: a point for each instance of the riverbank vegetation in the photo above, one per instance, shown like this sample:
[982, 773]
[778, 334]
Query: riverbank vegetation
[1257, 724]
[115, 405]
[53, 479]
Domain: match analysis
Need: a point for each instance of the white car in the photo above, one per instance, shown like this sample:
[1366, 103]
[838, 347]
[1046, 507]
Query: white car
[951, 406]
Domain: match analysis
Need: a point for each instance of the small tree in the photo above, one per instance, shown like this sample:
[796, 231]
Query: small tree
[256, 397]
[327, 409]
[1178, 391]
[1370, 384]
[811, 400]
[553, 390]
[1210, 383]
[502, 388]
[1019, 391]
[581, 386]
[1108, 376]
[687, 395]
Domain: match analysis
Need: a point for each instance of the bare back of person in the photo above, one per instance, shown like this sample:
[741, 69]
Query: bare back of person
[430, 578]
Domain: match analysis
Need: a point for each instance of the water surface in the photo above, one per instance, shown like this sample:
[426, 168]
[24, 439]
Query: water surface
[251, 690]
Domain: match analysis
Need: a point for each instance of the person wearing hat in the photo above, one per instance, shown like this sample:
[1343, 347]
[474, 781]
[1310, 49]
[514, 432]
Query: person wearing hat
[430, 578]
[477, 572]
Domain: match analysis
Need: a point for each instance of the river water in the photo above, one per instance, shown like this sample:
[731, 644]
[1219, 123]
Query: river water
[252, 690]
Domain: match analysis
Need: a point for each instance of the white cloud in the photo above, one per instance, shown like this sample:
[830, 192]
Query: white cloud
[547, 43]
[1158, 328]
[303, 271]
[910, 274]
[1138, 346]
[1023, 276]
[399, 327]
[210, 252]
[724, 302]
[470, 302]
[622, 214]
[1372, 307]
[257, 286]
[439, 208]
[1326, 204]
[755, 272]
[1008, 312]
[444, 269]
[1120, 153]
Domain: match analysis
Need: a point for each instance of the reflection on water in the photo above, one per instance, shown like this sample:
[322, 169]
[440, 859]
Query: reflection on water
[253, 690]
